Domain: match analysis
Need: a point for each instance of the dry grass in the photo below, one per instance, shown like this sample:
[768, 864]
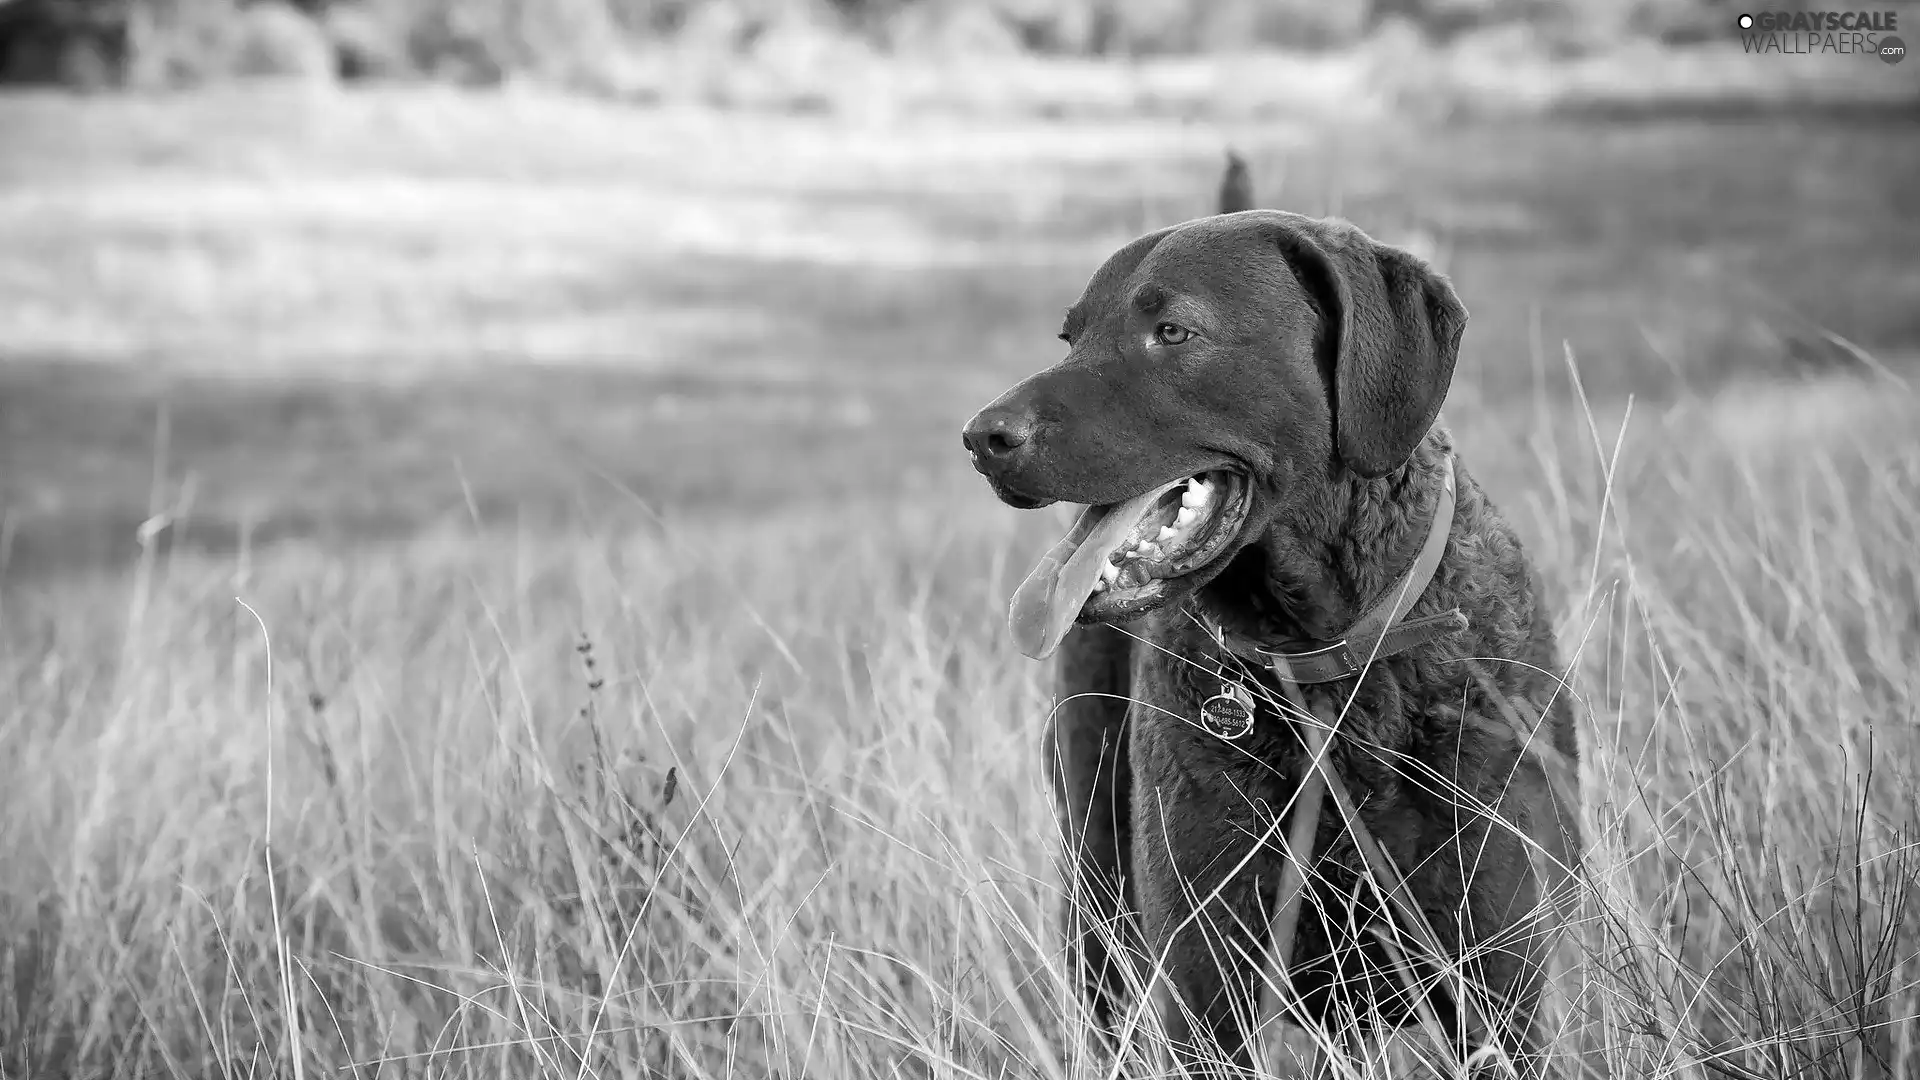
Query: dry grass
[578, 788]
[438, 831]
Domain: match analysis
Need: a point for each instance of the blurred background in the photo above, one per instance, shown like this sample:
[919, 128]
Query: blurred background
[352, 268]
[569, 392]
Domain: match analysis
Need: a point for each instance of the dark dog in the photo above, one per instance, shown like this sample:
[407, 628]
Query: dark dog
[1293, 371]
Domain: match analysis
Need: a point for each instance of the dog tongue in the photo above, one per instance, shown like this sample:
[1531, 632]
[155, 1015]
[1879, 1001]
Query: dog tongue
[1046, 604]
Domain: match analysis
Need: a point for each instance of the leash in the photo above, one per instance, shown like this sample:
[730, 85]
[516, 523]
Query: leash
[1380, 632]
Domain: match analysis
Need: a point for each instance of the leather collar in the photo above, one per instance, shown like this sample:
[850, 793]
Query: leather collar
[1378, 632]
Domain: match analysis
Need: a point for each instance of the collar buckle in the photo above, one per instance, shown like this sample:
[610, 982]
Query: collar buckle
[1324, 664]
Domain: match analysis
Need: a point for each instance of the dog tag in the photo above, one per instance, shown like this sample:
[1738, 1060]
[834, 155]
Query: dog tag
[1229, 713]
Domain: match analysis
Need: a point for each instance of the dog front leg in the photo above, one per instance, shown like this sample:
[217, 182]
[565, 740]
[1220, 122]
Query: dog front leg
[1207, 858]
[1508, 862]
[1086, 752]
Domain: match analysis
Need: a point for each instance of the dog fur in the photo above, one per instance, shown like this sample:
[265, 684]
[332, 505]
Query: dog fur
[1317, 367]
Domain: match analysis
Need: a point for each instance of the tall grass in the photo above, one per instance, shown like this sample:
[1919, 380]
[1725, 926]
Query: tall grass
[764, 801]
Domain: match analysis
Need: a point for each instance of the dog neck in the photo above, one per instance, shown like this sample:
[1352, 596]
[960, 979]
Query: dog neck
[1325, 563]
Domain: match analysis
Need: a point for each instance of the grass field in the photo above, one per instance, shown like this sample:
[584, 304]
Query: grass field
[491, 587]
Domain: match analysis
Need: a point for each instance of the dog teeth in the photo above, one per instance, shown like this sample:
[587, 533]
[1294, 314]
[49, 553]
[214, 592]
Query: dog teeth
[1126, 566]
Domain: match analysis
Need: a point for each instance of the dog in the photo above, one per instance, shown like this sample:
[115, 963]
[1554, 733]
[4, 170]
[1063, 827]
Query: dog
[1248, 411]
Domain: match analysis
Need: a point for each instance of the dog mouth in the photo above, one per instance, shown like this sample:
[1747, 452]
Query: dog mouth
[1122, 560]
[1184, 530]
[1016, 498]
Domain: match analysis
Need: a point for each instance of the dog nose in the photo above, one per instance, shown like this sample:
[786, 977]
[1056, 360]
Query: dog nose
[995, 434]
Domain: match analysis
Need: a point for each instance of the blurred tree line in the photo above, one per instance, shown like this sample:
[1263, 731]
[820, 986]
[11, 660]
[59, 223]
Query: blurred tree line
[95, 43]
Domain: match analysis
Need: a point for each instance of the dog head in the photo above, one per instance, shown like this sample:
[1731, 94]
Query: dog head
[1220, 375]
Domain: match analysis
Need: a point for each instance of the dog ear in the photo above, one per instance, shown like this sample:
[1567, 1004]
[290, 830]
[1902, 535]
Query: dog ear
[1392, 325]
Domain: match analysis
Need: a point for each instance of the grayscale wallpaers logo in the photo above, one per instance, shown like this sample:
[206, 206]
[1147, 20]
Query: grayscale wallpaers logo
[1856, 33]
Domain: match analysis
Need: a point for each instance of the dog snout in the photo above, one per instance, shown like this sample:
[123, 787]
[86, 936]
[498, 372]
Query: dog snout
[997, 437]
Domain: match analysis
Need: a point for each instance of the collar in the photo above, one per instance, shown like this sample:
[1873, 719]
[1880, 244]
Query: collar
[1378, 633]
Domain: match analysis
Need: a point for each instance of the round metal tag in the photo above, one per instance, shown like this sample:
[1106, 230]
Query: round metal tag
[1229, 713]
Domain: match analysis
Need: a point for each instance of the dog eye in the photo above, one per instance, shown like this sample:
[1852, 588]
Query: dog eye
[1169, 334]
